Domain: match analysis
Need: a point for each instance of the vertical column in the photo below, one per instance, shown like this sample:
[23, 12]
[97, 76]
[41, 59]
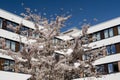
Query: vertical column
[102, 34]
[115, 31]
[119, 66]
[4, 25]
[17, 46]
[1, 64]
[117, 48]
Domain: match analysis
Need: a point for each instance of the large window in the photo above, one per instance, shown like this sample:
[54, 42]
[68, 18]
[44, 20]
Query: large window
[0, 23]
[111, 49]
[108, 33]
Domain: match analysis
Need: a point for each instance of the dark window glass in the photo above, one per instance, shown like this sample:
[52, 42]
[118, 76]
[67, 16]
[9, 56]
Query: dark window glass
[115, 67]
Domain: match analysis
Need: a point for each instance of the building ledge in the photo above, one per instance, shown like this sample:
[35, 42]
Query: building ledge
[114, 76]
[13, 76]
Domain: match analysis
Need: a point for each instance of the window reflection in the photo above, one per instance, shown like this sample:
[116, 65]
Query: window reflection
[8, 65]
[96, 36]
[8, 44]
[110, 68]
[0, 23]
[111, 49]
[12, 46]
[108, 33]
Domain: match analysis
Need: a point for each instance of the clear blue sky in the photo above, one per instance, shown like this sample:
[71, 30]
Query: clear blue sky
[82, 11]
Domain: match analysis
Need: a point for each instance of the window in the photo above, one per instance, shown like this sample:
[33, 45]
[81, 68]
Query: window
[8, 65]
[108, 50]
[0, 23]
[24, 31]
[101, 69]
[21, 47]
[12, 46]
[108, 33]
[13, 25]
[113, 67]
[111, 49]
[8, 43]
[94, 37]
[9, 29]
[118, 29]
[97, 36]
[111, 32]
[11, 65]
[110, 68]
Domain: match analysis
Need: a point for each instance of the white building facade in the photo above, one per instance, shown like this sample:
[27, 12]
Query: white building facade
[12, 40]
[107, 34]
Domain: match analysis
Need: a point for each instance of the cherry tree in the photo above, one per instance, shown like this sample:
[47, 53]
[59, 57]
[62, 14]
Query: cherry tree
[46, 59]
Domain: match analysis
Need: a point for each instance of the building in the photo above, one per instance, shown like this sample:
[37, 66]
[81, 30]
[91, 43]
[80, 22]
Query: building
[107, 34]
[12, 42]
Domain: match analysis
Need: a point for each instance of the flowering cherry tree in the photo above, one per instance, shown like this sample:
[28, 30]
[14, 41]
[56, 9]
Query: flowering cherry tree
[43, 58]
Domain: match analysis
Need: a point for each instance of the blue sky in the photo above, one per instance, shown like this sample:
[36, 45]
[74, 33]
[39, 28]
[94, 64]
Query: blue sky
[82, 11]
